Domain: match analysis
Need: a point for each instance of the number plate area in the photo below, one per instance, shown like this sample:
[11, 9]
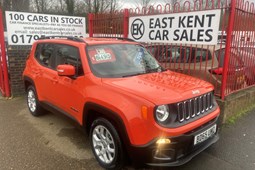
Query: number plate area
[201, 137]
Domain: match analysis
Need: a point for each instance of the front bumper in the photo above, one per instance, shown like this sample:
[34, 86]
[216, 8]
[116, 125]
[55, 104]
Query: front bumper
[180, 151]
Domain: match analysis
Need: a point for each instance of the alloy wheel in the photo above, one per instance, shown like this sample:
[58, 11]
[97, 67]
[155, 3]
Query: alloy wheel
[103, 144]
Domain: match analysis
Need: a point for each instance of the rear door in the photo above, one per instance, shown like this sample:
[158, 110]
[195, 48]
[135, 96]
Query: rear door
[44, 71]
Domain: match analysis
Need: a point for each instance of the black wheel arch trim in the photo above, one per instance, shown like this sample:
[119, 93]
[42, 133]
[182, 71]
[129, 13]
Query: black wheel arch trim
[31, 81]
[28, 79]
[110, 115]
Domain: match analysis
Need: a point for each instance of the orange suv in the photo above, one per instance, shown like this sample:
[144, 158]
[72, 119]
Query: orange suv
[131, 107]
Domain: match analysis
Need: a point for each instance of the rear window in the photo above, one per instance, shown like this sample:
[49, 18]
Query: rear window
[44, 54]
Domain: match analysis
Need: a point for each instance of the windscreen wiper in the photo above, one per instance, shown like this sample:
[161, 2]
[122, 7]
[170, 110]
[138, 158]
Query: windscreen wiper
[157, 69]
[136, 74]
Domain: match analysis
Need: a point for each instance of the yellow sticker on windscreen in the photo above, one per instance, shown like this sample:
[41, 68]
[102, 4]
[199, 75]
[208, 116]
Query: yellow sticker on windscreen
[101, 55]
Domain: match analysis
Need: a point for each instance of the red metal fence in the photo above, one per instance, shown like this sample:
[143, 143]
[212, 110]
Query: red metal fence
[242, 45]
[4, 80]
[105, 25]
[1, 75]
[229, 65]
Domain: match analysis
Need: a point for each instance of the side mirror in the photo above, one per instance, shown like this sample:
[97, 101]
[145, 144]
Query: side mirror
[217, 71]
[66, 70]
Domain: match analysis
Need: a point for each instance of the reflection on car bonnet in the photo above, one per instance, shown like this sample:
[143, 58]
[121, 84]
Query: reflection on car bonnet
[174, 80]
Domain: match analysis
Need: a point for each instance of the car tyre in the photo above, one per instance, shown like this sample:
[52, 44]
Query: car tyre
[106, 144]
[33, 102]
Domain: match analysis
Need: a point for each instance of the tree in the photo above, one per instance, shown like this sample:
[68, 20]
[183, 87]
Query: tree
[7, 5]
[15, 5]
[1, 4]
[41, 6]
[70, 6]
[202, 4]
[172, 3]
[113, 5]
[61, 6]
[145, 6]
[20, 5]
[100, 6]
[144, 3]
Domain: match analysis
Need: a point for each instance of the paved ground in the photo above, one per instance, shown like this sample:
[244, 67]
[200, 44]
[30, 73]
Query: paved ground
[54, 142]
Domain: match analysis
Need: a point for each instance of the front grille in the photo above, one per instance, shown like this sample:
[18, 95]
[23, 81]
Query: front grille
[194, 107]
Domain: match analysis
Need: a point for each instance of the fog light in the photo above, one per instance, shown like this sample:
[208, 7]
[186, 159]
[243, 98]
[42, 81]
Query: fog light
[163, 141]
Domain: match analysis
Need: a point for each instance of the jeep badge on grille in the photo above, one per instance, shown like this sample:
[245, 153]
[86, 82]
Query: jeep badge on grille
[195, 91]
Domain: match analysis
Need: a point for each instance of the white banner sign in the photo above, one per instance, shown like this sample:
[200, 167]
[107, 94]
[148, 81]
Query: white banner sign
[25, 28]
[200, 27]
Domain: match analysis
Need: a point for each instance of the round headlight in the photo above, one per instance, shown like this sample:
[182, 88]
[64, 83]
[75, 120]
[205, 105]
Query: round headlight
[162, 113]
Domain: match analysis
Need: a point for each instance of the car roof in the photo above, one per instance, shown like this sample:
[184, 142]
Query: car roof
[89, 41]
[92, 41]
[119, 40]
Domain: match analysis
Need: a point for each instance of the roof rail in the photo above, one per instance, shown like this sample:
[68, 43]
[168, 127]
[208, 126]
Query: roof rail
[118, 38]
[66, 37]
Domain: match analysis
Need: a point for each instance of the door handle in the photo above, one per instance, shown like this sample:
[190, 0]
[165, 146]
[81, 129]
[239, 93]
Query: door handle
[37, 72]
[54, 80]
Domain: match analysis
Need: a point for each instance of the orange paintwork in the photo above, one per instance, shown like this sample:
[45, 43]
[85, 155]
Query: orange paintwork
[129, 97]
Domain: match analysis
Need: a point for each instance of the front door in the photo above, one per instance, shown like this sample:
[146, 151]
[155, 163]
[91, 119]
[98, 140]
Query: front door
[67, 92]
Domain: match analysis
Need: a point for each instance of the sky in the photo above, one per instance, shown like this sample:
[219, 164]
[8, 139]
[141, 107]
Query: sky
[132, 3]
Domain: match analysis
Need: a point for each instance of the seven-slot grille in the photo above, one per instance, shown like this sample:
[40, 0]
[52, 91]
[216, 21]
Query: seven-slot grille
[194, 107]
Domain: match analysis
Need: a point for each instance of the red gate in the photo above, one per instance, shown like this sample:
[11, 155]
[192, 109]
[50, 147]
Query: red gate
[4, 80]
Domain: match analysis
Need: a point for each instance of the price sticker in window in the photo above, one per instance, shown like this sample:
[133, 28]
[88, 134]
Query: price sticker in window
[101, 55]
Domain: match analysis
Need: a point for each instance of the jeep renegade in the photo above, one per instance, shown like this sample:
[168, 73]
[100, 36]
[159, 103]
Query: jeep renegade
[128, 103]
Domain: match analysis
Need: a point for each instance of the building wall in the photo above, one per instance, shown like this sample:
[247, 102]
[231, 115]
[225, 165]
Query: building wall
[16, 63]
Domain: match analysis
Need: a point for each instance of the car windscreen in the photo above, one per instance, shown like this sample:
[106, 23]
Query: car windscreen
[120, 60]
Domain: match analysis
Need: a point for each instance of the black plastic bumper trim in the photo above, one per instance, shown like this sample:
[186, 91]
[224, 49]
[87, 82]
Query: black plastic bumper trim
[188, 157]
[180, 151]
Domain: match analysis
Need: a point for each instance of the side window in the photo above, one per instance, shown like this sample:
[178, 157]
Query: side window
[44, 54]
[201, 55]
[179, 54]
[66, 54]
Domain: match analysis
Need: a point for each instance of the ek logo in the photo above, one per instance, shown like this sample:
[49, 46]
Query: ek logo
[137, 29]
